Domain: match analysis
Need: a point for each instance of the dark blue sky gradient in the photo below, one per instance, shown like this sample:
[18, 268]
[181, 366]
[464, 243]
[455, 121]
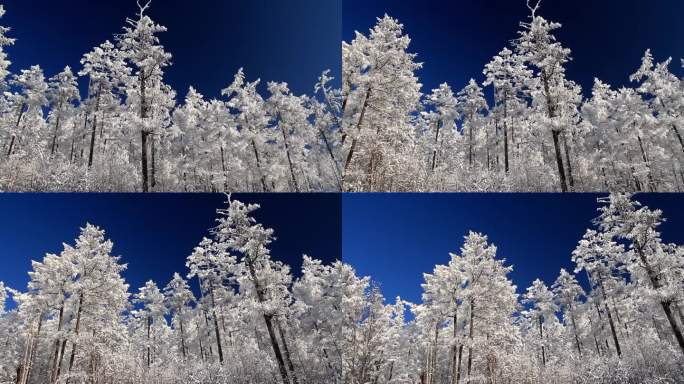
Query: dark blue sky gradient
[155, 233]
[455, 39]
[396, 238]
[291, 41]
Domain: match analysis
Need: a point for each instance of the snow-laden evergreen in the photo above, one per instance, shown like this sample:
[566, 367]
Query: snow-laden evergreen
[537, 134]
[252, 321]
[128, 132]
[378, 132]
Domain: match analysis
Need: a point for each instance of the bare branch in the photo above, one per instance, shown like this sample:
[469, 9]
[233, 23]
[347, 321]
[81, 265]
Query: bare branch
[143, 8]
[535, 8]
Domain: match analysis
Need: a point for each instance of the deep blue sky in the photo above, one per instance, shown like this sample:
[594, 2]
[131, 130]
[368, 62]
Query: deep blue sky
[455, 39]
[155, 233]
[291, 41]
[396, 238]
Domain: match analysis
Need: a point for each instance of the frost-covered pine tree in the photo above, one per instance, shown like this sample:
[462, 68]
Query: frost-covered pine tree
[141, 49]
[380, 91]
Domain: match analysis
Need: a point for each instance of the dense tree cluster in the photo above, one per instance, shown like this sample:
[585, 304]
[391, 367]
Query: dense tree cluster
[378, 132]
[251, 321]
[537, 133]
[128, 132]
[627, 327]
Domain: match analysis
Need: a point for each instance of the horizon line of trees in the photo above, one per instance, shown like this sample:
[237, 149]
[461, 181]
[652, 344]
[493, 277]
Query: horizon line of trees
[253, 321]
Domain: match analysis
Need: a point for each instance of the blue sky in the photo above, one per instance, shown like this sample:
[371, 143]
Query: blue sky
[395, 238]
[455, 39]
[291, 41]
[155, 233]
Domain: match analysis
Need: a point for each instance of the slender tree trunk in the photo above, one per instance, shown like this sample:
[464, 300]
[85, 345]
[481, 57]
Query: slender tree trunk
[651, 184]
[470, 140]
[223, 168]
[258, 164]
[559, 161]
[574, 328]
[336, 167]
[54, 136]
[571, 179]
[455, 348]
[458, 368]
[679, 136]
[551, 112]
[216, 327]
[74, 344]
[180, 320]
[287, 153]
[61, 359]
[153, 173]
[268, 319]
[143, 160]
[55, 355]
[505, 133]
[199, 337]
[610, 318]
[655, 282]
[434, 150]
[149, 326]
[28, 369]
[541, 339]
[352, 148]
[94, 128]
[143, 132]
[16, 126]
[470, 347]
[286, 351]
[433, 360]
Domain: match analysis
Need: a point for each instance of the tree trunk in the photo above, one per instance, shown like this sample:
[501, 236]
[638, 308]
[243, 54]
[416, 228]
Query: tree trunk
[567, 160]
[287, 153]
[470, 347]
[655, 282]
[336, 167]
[258, 164]
[559, 161]
[54, 136]
[77, 330]
[455, 348]
[153, 173]
[268, 319]
[286, 350]
[223, 168]
[143, 160]
[180, 320]
[470, 140]
[505, 133]
[651, 184]
[574, 327]
[434, 150]
[216, 327]
[352, 148]
[149, 326]
[610, 318]
[551, 113]
[16, 126]
[55, 355]
[541, 339]
[94, 128]
[433, 360]
[143, 131]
